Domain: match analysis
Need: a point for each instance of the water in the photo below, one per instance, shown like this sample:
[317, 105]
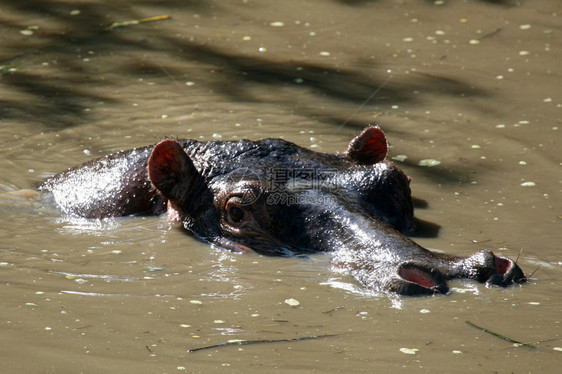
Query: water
[472, 85]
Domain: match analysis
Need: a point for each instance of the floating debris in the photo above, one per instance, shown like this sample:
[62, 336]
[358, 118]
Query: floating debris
[277, 24]
[409, 351]
[115, 25]
[153, 269]
[429, 162]
[4, 69]
[259, 341]
[528, 184]
[517, 343]
[400, 158]
[292, 302]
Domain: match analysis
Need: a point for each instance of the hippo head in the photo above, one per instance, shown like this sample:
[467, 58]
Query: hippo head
[275, 197]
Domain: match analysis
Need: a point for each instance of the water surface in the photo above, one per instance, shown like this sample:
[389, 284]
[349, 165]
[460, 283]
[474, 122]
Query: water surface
[473, 85]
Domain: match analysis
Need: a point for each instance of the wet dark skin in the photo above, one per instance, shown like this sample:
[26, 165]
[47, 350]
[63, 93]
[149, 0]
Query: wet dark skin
[276, 198]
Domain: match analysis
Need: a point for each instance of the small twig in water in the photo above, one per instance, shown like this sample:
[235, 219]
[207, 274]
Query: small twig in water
[259, 341]
[115, 25]
[490, 34]
[536, 342]
[519, 255]
[500, 336]
[534, 271]
[333, 310]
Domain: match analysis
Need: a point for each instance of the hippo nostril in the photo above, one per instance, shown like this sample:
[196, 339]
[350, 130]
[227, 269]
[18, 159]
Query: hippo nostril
[417, 279]
[502, 265]
[414, 274]
[506, 272]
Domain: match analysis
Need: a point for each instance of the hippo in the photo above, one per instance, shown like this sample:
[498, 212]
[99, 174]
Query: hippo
[276, 198]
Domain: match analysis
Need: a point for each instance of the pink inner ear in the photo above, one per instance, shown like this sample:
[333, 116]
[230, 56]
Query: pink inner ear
[167, 166]
[369, 147]
[502, 265]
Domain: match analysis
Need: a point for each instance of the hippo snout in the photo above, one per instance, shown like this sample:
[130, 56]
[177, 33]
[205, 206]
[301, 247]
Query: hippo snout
[506, 272]
[415, 278]
[488, 268]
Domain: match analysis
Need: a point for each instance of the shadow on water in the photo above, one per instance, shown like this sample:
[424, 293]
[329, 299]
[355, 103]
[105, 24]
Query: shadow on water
[505, 3]
[62, 100]
[425, 229]
[53, 99]
[59, 99]
[363, 2]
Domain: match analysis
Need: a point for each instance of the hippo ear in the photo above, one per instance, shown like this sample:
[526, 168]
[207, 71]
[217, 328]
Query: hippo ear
[171, 171]
[369, 147]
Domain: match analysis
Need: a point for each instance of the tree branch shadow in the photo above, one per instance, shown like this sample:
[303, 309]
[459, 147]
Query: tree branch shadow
[53, 97]
[63, 100]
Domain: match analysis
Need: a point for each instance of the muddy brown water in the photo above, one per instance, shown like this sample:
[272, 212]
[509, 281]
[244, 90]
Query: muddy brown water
[473, 85]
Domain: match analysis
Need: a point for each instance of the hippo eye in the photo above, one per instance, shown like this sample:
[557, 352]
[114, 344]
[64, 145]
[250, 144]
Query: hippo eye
[235, 214]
